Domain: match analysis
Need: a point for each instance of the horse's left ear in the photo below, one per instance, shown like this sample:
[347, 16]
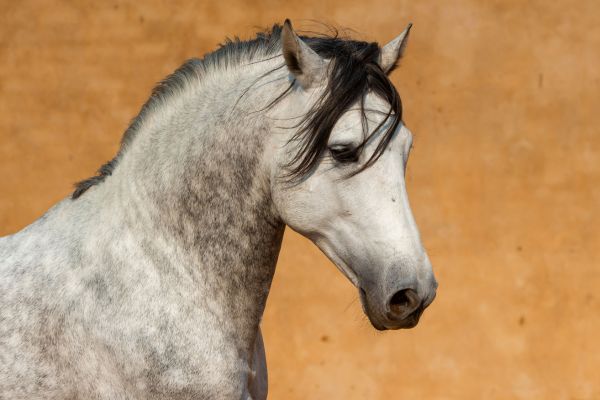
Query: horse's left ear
[303, 62]
[392, 52]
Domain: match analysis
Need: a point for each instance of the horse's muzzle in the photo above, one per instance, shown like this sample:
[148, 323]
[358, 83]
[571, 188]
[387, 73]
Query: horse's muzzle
[402, 310]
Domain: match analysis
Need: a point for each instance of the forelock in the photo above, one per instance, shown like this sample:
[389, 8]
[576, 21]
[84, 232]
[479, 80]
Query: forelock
[354, 72]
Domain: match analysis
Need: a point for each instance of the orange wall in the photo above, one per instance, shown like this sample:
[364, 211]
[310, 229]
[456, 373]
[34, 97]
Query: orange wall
[504, 180]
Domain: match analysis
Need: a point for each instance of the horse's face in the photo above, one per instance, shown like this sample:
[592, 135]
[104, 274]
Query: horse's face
[363, 221]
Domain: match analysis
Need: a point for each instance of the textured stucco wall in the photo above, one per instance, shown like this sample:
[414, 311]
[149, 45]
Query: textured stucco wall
[504, 180]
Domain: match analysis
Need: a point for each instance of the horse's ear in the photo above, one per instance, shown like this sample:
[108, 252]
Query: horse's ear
[392, 52]
[303, 63]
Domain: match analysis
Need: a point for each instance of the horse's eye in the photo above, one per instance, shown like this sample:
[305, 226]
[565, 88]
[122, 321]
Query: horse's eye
[344, 154]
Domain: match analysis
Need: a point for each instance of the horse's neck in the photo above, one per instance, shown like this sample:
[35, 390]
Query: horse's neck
[196, 184]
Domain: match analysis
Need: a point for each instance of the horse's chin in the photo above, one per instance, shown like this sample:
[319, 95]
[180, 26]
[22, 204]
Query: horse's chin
[408, 323]
[365, 306]
[377, 325]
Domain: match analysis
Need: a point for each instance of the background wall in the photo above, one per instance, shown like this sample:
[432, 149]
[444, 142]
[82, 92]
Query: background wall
[502, 97]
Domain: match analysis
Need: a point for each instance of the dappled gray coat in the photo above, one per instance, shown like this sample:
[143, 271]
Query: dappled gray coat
[150, 281]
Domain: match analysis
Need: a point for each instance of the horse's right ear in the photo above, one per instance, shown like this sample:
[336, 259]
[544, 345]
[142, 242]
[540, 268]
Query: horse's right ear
[303, 63]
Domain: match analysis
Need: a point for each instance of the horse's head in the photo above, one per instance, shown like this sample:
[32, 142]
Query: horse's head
[338, 177]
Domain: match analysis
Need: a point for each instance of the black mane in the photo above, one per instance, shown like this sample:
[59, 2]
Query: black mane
[354, 72]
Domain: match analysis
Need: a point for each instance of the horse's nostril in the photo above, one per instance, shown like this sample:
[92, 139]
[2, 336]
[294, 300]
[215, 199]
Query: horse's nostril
[399, 300]
[403, 303]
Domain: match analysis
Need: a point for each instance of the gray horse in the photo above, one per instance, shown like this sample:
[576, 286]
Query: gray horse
[150, 281]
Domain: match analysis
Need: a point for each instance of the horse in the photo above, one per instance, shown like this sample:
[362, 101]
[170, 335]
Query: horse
[150, 280]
